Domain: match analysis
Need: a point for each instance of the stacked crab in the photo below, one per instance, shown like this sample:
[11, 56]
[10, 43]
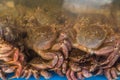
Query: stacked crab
[85, 48]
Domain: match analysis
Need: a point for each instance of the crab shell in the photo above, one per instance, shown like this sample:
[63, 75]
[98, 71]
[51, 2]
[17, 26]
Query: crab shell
[43, 38]
[92, 31]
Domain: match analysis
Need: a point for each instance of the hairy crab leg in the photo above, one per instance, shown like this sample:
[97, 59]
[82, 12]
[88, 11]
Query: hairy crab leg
[29, 74]
[36, 74]
[65, 50]
[18, 70]
[80, 76]
[6, 59]
[24, 74]
[7, 54]
[86, 74]
[60, 60]
[64, 67]
[68, 44]
[114, 73]
[72, 74]
[45, 74]
[59, 72]
[2, 75]
[49, 56]
[104, 50]
[107, 74]
[110, 60]
[75, 67]
[68, 74]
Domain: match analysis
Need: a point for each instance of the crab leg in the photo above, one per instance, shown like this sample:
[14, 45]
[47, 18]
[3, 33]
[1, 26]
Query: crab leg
[80, 76]
[45, 74]
[72, 74]
[107, 74]
[104, 50]
[35, 74]
[49, 56]
[2, 75]
[19, 69]
[68, 74]
[114, 73]
[24, 74]
[60, 60]
[29, 74]
[7, 53]
[68, 44]
[86, 74]
[112, 58]
[64, 67]
[59, 72]
[65, 50]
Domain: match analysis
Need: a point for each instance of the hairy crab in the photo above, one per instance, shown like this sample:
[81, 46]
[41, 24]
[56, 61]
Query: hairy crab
[79, 65]
[96, 34]
[53, 47]
[10, 54]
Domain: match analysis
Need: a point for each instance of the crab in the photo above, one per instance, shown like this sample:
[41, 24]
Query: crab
[9, 53]
[34, 68]
[96, 34]
[53, 47]
[112, 72]
[80, 65]
[11, 56]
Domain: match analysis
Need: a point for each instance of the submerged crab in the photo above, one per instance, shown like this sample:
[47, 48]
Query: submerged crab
[80, 65]
[48, 44]
[96, 34]
[10, 54]
[11, 57]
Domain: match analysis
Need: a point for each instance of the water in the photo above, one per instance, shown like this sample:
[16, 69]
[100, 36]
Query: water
[47, 12]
